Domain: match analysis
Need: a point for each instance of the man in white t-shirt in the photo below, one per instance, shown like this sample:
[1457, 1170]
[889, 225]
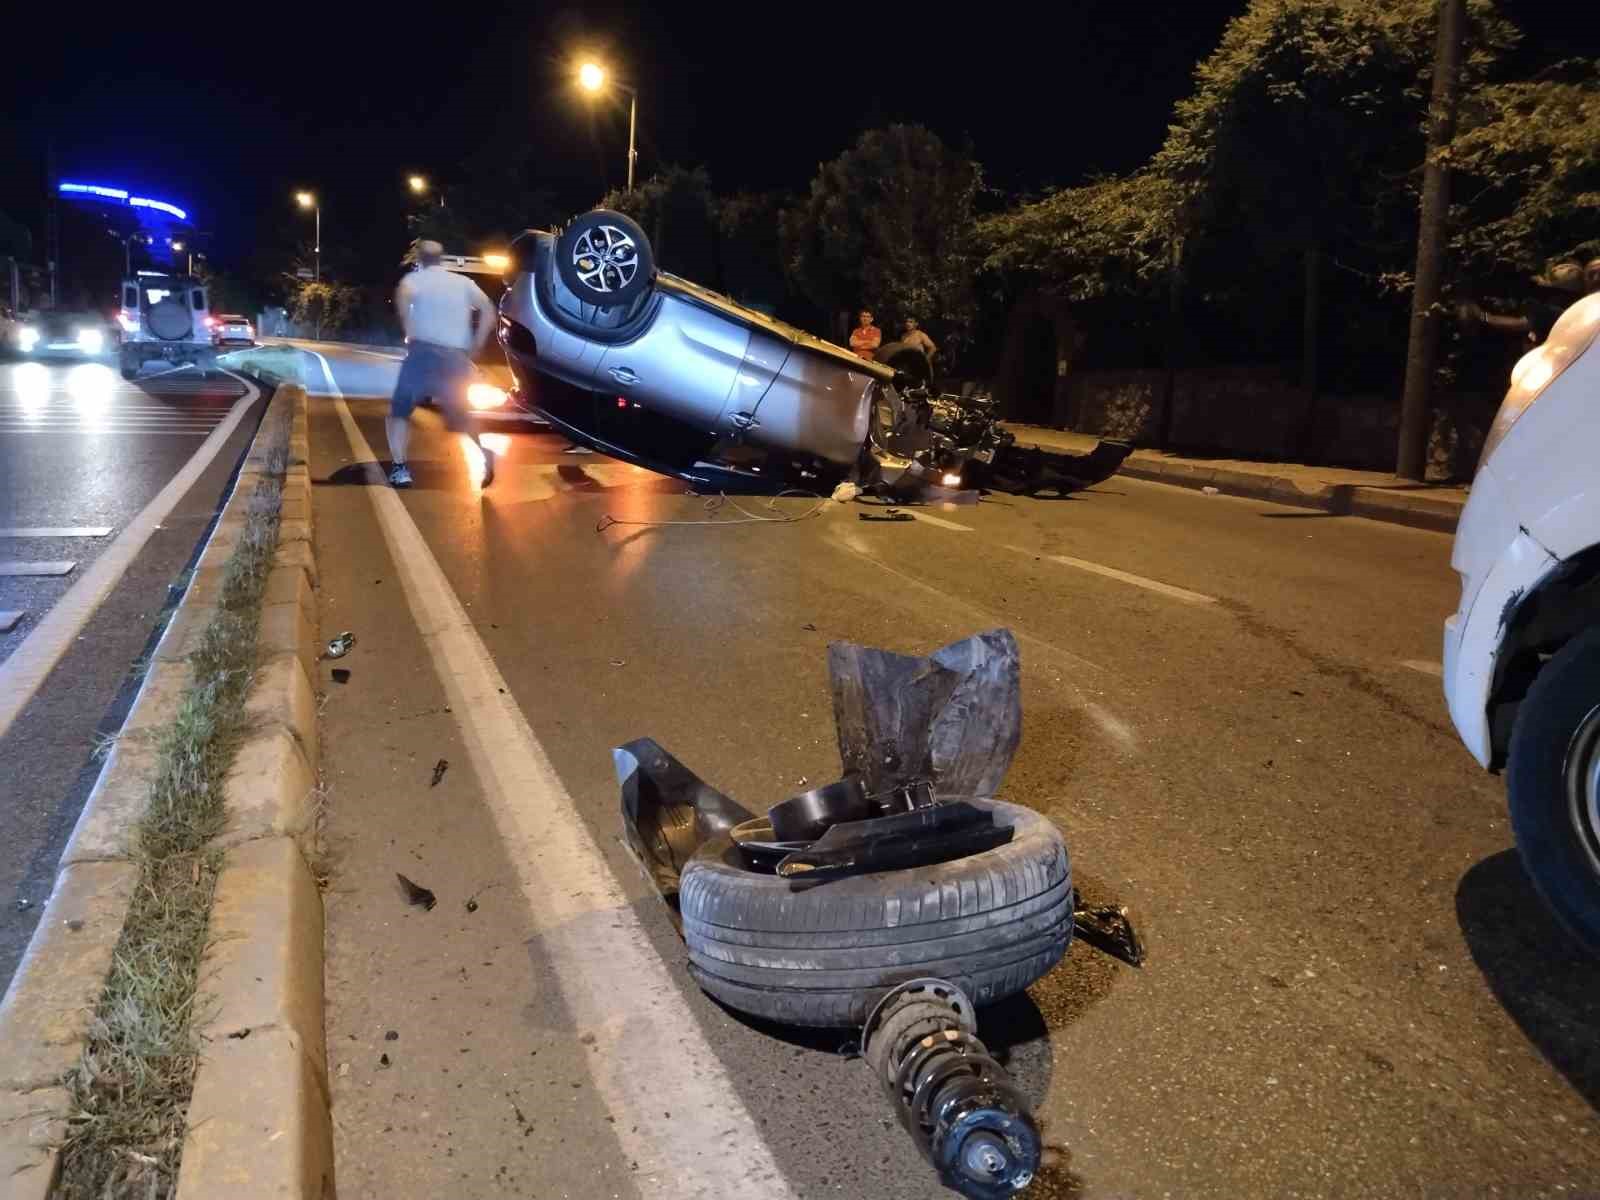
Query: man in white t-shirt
[447, 319]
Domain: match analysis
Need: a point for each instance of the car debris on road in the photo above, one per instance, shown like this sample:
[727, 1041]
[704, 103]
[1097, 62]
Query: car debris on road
[816, 914]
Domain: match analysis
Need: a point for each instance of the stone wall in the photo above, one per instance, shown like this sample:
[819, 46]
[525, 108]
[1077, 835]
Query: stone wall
[1261, 413]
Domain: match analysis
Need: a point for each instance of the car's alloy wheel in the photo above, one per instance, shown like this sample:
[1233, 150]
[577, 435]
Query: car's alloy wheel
[1583, 786]
[606, 258]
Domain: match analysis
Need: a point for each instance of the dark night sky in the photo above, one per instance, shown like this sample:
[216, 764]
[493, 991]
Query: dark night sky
[230, 119]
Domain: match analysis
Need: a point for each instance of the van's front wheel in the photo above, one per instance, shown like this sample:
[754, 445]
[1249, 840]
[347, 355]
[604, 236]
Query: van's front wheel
[1553, 777]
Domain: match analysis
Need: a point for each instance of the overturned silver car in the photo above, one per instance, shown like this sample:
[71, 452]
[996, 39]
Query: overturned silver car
[659, 371]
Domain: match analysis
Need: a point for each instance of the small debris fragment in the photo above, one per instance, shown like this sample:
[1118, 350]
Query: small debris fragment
[339, 646]
[383, 1060]
[439, 768]
[891, 515]
[239, 1035]
[809, 627]
[344, 1070]
[420, 896]
[392, 1036]
[846, 492]
[1208, 490]
[23, 904]
[341, 675]
[472, 906]
[619, 662]
[75, 925]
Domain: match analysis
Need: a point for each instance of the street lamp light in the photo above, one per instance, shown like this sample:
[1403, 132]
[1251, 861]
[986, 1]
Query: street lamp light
[592, 79]
[417, 183]
[178, 248]
[309, 200]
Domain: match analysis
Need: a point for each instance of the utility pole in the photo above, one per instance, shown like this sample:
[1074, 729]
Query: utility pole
[1411, 459]
[52, 221]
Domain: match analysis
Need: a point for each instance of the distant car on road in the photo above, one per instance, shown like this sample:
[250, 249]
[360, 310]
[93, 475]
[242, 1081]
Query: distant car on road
[1522, 650]
[164, 319]
[60, 334]
[231, 329]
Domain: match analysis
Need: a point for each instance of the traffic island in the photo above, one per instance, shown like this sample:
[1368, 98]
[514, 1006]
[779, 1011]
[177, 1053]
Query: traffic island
[163, 1034]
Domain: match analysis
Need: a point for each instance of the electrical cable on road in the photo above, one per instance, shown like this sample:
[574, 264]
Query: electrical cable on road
[715, 504]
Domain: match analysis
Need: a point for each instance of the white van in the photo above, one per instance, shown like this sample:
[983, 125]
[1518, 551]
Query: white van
[164, 319]
[1522, 652]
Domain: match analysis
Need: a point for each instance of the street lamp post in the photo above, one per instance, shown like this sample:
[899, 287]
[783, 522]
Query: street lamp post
[592, 78]
[308, 200]
[420, 186]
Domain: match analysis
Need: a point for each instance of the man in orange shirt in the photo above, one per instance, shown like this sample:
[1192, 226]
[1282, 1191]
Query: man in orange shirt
[866, 337]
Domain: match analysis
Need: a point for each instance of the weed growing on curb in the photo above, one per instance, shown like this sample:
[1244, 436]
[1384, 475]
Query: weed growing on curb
[131, 1090]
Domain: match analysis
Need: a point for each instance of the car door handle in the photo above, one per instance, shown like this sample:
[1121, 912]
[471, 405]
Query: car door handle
[624, 375]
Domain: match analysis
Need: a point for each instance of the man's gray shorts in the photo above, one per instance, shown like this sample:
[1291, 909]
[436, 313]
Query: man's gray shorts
[441, 373]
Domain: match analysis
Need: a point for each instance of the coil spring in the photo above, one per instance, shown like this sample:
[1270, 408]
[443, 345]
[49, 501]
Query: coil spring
[955, 1100]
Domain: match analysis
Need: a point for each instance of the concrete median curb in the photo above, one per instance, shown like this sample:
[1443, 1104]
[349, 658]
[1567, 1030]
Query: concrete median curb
[259, 1119]
[1342, 499]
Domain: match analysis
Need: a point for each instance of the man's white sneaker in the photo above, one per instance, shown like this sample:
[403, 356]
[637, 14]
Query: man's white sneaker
[400, 476]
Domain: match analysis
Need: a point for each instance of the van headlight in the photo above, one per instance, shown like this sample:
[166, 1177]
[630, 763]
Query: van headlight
[27, 338]
[91, 341]
[1539, 368]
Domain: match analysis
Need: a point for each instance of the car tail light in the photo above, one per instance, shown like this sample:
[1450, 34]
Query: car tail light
[211, 322]
[129, 324]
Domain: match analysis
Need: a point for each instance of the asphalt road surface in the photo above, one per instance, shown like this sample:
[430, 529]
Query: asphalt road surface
[1232, 710]
[106, 489]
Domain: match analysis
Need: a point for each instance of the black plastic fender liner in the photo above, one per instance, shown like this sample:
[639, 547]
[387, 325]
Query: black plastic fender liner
[825, 954]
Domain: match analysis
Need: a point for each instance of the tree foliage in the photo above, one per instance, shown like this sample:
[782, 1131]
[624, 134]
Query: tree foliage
[326, 305]
[678, 211]
[1528, 163]
[1114, 235]
[484, 205]
[1305, 129]
[889, 223]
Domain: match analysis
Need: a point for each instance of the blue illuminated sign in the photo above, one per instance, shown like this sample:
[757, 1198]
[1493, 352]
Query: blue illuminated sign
[159, 205]
[91, 189]
[110, 193]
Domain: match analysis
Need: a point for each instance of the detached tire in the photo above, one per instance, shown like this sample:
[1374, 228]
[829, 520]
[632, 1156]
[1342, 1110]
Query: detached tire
[605, 259]
[823, 954]
[1553, 781]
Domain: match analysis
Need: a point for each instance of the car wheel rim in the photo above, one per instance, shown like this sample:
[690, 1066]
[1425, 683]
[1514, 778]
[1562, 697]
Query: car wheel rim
[606, 258]
[1583, 786]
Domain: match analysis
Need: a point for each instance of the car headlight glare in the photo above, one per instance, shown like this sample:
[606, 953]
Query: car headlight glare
[484, 396]
[91, 341]
[27, 338]
[1539, 368]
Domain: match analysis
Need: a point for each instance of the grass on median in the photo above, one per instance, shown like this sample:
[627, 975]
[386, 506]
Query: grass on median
[131, 1090]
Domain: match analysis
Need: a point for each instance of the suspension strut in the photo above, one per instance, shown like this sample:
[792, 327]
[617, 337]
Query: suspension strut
[955, 1100]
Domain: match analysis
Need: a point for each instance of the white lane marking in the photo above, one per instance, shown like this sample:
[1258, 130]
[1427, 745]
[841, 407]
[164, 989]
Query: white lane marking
[1425, 666]
[614, 984]
[1153, 585]
[59, 567]
[182, 433]
[327, 373]
[64, 531]
[9, 619]
[930, 519]
[375, 354]
[33, 660]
